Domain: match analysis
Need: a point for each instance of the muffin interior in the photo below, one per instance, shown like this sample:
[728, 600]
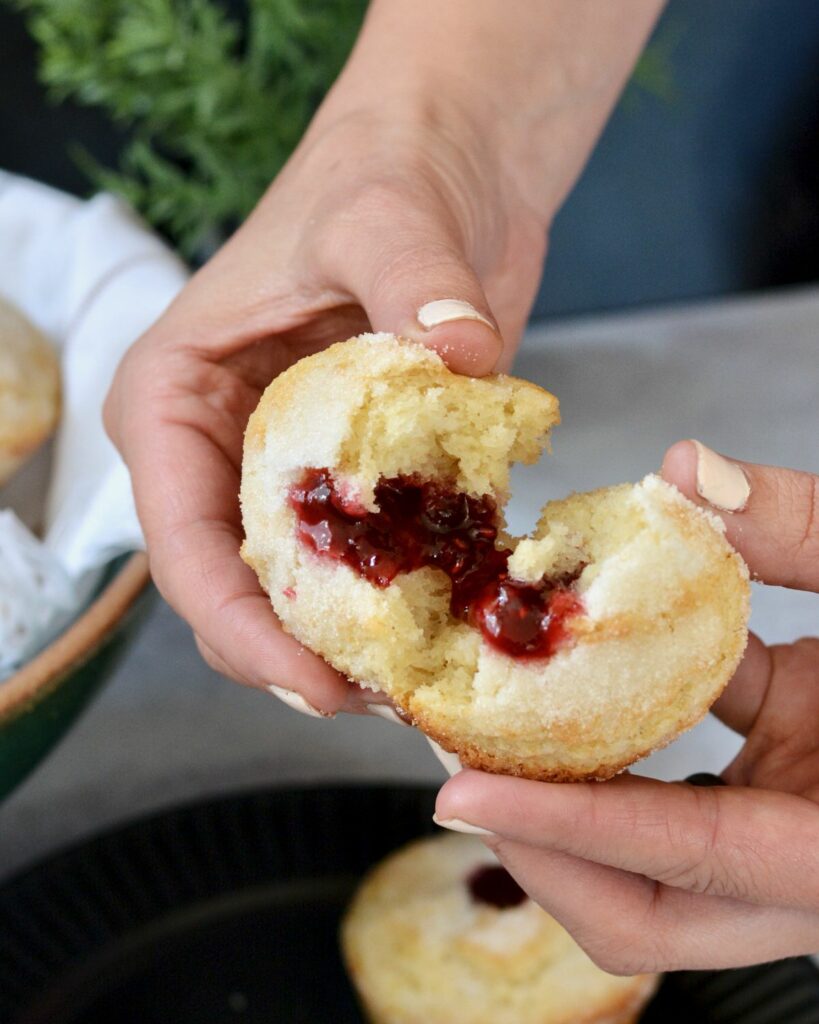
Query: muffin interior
[419, 524]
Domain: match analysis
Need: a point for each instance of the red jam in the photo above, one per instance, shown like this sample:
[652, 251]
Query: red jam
[494, 886]
[422, 524]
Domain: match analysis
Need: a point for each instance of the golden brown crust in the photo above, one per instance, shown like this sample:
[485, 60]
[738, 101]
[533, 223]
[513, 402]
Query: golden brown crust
[479, 759]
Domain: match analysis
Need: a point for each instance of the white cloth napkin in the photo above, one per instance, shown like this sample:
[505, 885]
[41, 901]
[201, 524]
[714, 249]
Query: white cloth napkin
[92, 277]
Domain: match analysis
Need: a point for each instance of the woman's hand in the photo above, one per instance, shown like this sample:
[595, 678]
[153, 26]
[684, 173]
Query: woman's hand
[371, 220]
[657, 876]
[430, 173]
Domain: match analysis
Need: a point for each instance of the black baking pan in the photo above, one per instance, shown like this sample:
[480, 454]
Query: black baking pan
[228, 911]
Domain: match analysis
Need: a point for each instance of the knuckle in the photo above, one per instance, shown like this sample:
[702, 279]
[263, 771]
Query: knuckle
[421, 261]
[712, 859]
[699, 845]
[693, 843]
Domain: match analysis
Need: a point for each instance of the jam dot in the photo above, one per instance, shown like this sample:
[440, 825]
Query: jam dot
[422, 523]
[494, 886]
[526, 620]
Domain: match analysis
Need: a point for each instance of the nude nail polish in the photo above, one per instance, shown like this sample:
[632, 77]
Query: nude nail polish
[450, 761]
[444, 311]
[719, 482]
[297, 702]
[456, 825]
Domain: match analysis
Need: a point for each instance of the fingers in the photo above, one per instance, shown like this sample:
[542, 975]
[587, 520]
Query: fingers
[575, 891]
[199, 572]
[630, 925]
[741, 701]
[186, 494]
[757, 846]
[405, 264]
[771, 517]
[774, 697]
[771, 514]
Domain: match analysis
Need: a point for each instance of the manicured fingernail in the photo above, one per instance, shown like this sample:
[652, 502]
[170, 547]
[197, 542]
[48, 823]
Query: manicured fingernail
[720, 482]
[387, 713]
[443, 311]
[450, 761]
[297, 702]
[456, 825]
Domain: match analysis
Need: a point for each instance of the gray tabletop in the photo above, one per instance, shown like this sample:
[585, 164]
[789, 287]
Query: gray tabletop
[741, 375]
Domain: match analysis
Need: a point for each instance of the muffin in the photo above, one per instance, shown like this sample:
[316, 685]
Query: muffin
[373, 486]
[29, 389]
[439, 933]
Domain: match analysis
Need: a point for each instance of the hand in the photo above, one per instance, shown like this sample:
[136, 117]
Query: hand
[665, 876]
[431, 172]
[371, 219]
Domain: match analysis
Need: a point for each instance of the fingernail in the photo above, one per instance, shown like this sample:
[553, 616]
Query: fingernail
[297, 702]
[450, 761]
[387, 713]
[720, 482]
[443, 311]
[456, 825]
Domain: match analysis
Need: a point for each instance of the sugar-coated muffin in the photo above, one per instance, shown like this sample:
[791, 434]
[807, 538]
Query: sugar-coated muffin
[29, 389]
[439, 933]
[372, 493]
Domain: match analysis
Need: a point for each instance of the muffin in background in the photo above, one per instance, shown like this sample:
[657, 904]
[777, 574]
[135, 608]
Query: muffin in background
[29, 389]
[439, 933]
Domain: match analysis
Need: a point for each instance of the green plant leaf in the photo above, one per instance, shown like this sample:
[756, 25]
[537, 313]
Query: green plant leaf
[213, 106]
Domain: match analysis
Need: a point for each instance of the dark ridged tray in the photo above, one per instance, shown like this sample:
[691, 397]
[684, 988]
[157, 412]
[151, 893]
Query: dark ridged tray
[228, 911]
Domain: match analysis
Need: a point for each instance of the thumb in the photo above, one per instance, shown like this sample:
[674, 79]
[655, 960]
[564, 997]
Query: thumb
[771, 514]
[416, 281]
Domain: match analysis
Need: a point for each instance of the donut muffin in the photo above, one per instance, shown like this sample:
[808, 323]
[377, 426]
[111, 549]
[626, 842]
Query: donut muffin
[439, 933]
[29, 389]
[373, 486]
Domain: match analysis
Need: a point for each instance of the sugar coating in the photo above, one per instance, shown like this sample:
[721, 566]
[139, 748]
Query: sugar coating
[29, 389]
[418, 948]
[666, 596]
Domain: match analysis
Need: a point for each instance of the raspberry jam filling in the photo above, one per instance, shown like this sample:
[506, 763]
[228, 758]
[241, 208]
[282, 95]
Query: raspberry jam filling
[422, 524]
[494, 886]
